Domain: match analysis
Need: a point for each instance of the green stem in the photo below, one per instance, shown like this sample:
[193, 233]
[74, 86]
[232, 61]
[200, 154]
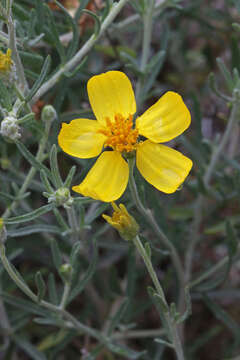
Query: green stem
[171, 324]
[65, 314]
[123, 24]
[14, 276]
[66, 291]
[147, 34]
[194, 237]
[137, 334]
[9, 7]
[148, 263]
[72, 219]
[32, 171]
[5, 324]
[82, 52]
[207, 274]
[15, 54]
[147, 214]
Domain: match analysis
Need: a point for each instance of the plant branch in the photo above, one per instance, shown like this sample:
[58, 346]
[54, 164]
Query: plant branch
[147, 34]
[15, 54]
[147, 214]
[82, 52]
[32, 171]
[172, 326]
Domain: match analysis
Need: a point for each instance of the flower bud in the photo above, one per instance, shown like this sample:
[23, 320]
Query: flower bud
[66, 271]
[49, 114]
[7, 68]
[123, 222]
[5, 163]
[61, 197]
[10, 128]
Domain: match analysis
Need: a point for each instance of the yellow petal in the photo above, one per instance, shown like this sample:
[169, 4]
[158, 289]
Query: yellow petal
[107, 179]
[111, 93]
[161, 166]
[165, 120]
[80, 138]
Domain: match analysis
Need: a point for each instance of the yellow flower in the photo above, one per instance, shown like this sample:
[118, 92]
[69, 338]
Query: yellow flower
[113, 103]
[123, 222]
[5, 61]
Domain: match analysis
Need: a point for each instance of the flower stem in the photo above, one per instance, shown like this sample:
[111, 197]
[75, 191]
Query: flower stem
[66, 291]
[73, 322]
[147, 34]
[147, 23]
[13, 47]
[72, 219]
[172, 326]
[147, 214]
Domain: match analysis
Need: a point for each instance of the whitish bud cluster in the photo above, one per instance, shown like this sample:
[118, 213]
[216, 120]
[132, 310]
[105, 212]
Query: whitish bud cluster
[10, 128]
[61, 197]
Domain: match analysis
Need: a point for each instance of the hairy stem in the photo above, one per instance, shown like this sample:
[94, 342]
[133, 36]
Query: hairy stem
[147, 34]
[32, 171]
[66, 291]
[147, 214]
[82, 52]
[77, 325]
[72, 219]
[15, 54]
[172, 326]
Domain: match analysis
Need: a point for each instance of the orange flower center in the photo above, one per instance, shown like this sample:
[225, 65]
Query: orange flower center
[120, 134]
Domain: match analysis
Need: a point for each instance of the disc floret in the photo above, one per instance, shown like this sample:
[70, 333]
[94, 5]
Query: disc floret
[121, 136]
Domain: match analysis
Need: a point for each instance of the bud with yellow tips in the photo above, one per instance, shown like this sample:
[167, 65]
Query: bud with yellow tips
[7, 68]
[123, 222]
[5, 61]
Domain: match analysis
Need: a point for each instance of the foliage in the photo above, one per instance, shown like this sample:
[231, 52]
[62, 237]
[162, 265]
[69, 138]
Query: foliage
[70, 287]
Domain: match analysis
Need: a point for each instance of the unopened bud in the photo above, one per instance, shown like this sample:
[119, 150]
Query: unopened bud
[66, 271]
[49, 114]
[5, 163]
[123, 222]
[61, 197]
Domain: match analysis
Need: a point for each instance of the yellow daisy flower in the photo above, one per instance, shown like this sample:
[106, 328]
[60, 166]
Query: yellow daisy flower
[113, 102]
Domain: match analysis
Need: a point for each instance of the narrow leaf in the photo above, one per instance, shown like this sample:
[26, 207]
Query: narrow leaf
[54, 167]
[29, 216]
[89, 273]
[32, 160]
[40, 79]
[41, 287]
[56, 254]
